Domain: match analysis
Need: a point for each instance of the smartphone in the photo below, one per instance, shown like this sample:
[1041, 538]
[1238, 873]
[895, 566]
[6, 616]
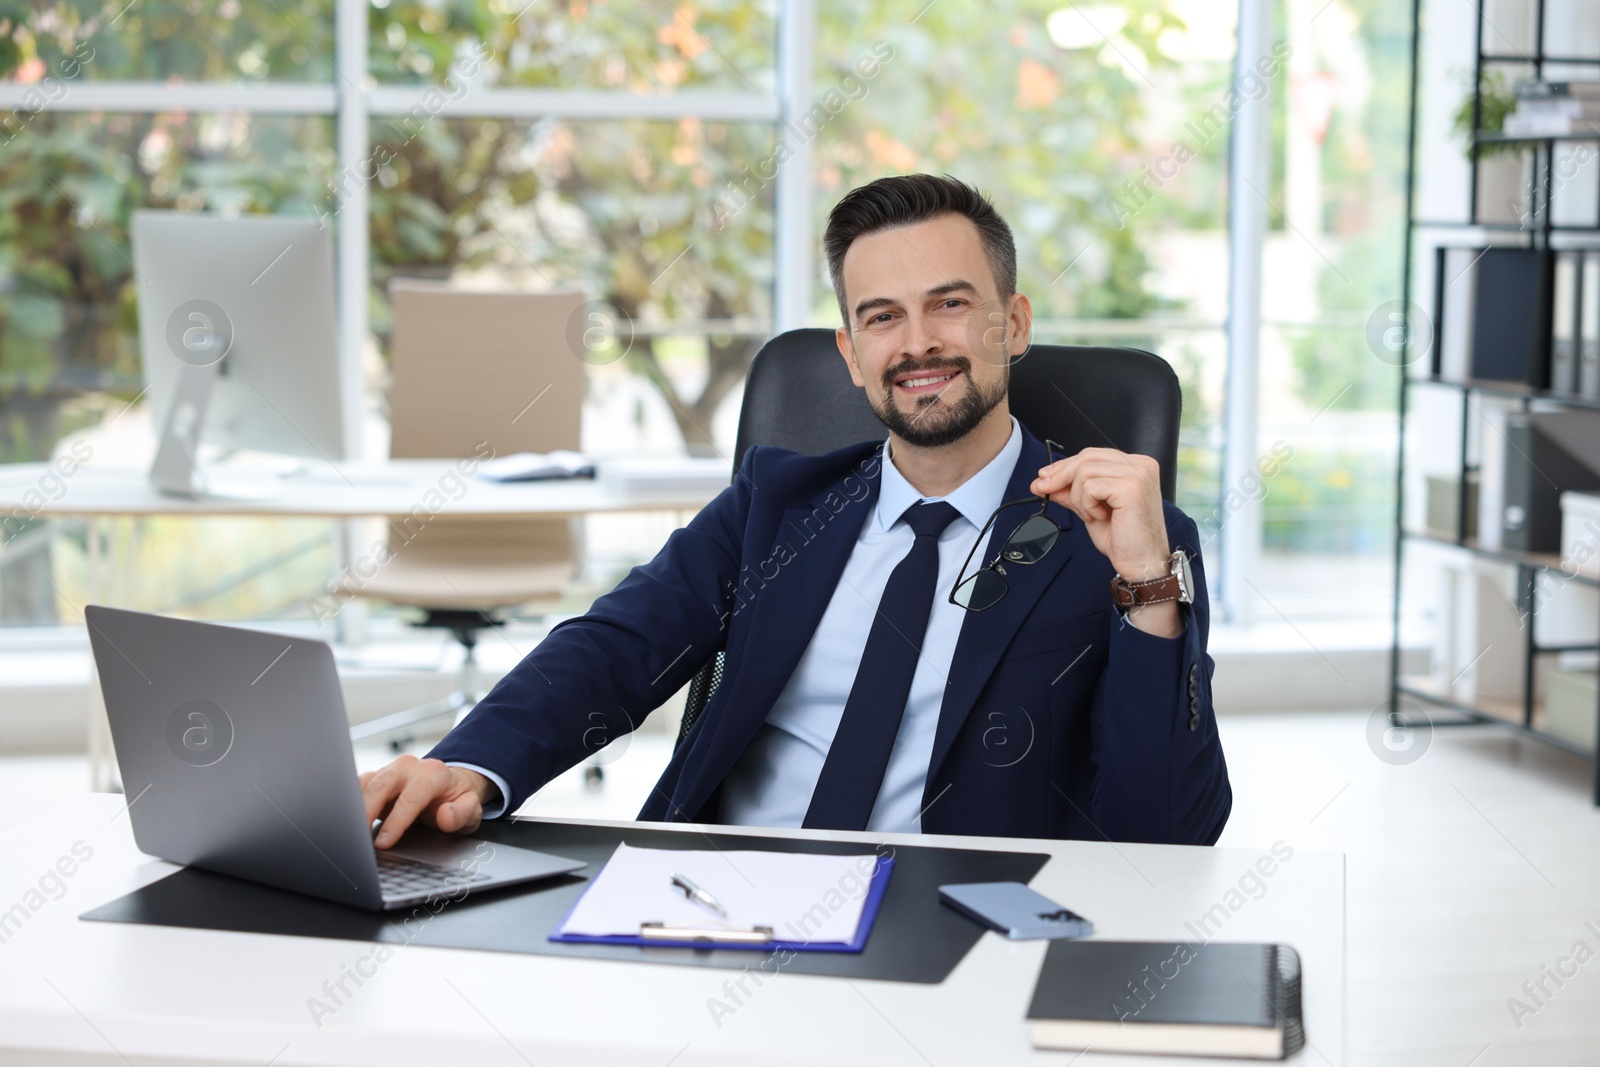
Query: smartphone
[1015, 910]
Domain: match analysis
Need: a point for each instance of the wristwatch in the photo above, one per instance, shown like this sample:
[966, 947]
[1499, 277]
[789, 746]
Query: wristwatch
[1177, 584]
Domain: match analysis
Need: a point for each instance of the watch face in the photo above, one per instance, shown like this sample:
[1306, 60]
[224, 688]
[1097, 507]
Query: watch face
[1185, 577]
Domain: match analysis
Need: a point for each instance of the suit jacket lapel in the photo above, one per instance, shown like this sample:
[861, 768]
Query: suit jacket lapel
[985, 634]
[810, 553]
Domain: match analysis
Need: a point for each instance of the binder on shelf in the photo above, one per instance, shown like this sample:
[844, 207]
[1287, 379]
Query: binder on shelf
[1452, 312]
[1511, 316]
[1487, 432]
[1564, 323]
[1589, 327]
[1546, 453]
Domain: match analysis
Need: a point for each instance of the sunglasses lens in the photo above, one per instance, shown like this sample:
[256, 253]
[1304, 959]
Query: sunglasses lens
[982, 590]
[1031, 540]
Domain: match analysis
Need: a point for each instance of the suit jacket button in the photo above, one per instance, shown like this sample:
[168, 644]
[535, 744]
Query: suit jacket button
[1194, 723]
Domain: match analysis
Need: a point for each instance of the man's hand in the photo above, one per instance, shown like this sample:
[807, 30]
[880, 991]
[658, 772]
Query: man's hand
[1118, 497]
[446, 798]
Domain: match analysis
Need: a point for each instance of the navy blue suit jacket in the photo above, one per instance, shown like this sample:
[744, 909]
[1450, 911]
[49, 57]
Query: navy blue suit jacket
[1060, 719]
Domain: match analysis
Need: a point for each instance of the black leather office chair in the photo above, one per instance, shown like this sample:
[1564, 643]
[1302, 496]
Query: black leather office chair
[799, 396]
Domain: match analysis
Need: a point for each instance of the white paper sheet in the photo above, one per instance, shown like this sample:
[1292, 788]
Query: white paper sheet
[802, 897]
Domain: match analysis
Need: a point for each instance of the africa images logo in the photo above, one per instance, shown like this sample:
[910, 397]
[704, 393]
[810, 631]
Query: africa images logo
[199, 733]
[199, 333]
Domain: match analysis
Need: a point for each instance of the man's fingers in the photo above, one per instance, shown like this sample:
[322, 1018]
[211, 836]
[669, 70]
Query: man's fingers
[461, 815]
[1109, 461]
[1086, 501]
[1088, 455]
[379, 788]
[1112, 490]
[1059, 474]
[425, 783]
[409, 789]
[418, 795]
[1115, 479]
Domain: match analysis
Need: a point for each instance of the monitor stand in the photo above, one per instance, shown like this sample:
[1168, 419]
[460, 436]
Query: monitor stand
[176, 470]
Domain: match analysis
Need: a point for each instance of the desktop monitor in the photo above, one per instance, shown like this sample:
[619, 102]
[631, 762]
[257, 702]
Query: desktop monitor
[238, 339]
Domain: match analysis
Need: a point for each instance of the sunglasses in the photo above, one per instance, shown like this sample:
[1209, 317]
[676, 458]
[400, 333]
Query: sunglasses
[1033, 538]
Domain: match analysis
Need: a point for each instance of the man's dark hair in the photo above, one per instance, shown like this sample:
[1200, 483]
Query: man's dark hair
[910, 198]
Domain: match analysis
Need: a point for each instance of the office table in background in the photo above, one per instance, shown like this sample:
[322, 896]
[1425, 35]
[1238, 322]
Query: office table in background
[390, 489]
[349, 491]
[91, 992]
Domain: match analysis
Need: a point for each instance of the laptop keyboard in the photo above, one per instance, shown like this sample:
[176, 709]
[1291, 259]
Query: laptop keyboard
[400, 876]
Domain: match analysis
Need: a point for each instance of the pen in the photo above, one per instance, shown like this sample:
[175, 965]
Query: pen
[698, 895]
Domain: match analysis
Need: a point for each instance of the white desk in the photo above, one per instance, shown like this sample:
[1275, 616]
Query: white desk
[352, 491]
[91, 993]
[396, 488]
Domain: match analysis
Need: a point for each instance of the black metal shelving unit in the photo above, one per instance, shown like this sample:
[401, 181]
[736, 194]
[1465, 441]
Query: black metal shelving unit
[1518, 716]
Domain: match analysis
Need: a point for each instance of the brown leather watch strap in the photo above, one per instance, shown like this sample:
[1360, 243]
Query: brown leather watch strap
[1126, 594]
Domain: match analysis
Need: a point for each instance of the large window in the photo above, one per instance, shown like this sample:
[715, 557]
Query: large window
[678, 160]
[1050, 109]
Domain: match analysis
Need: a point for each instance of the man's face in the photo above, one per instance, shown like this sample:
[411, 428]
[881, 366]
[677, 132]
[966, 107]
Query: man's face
[929, 336]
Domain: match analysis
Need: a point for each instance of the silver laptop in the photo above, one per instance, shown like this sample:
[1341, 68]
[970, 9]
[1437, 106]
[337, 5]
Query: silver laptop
[235, 757]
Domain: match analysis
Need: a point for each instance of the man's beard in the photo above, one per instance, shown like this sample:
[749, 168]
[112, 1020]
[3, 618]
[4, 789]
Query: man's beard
[936, 421]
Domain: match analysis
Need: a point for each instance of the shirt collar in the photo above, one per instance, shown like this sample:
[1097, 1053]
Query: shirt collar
[976, 498]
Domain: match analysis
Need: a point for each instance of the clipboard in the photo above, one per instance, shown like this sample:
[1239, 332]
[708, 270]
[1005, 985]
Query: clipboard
[713, 934]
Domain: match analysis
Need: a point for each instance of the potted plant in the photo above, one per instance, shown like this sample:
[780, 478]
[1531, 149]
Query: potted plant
[1502, 165]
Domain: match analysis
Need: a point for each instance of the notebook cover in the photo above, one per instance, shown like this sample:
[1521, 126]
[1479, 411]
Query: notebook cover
[1157, 982]
[869, 912]
[1512, 318]
[915, 938]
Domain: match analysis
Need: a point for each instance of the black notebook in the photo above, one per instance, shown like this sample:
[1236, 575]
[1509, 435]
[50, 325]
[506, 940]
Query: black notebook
[1169, 997]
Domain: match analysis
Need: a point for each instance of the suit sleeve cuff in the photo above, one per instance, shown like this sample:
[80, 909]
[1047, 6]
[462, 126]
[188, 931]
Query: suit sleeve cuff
[498, 807]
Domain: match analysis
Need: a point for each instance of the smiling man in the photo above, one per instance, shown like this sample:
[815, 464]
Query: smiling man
[1058, 686]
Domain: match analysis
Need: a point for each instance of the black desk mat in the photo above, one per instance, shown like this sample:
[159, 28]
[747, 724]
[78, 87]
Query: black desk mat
[915, 938]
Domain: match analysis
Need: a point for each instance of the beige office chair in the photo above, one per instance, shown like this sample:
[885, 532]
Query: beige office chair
[472, 367]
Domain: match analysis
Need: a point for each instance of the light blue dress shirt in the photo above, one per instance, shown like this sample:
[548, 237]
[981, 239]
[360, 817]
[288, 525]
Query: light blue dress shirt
[772, 782]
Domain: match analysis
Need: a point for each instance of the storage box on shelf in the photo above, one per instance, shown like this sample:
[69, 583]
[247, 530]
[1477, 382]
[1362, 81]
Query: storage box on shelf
[1580, 533]
[1572, 695]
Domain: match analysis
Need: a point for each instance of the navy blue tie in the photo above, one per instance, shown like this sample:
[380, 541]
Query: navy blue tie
[859, 754]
